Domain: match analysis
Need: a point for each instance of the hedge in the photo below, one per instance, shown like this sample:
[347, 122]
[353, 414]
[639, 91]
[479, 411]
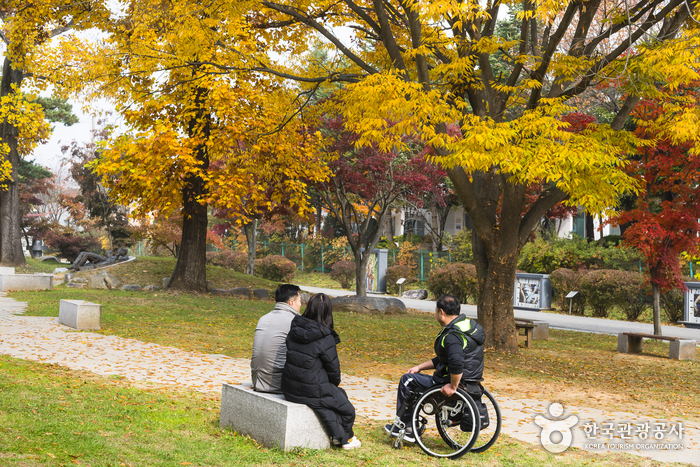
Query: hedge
[236, 260]
[344, 272]
[275, 268]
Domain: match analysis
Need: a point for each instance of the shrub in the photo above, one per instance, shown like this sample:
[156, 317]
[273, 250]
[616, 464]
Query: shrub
[564, 281]
[458, 279]
[319, 251]
[406, 255]
[605, 288]
[634, 296]
[229, 259]
[395, 273]
[70, 245]
[275, 268]
[461, 246]
[672, 304]
[344, 272]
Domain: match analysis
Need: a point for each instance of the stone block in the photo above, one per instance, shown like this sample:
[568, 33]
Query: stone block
[132, 287]
[219, 292]
[682, 349]
[417, 294]
[629, 344]
[80, 280]
[6, 270]
[540, 331]
[261, 294]
[240, 292]
[360, 304]
[26, 282]
[76, 285]
[80, 314]
[111, 282]
[60, 270]
[270, 419]
[209, 285]
[166, 282]
[96, 281]
[151, 288]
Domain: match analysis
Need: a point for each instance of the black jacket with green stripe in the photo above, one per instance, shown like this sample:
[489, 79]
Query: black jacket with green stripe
[459, 348]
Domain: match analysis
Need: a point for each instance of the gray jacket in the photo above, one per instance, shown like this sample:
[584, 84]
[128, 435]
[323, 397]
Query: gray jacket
[270, 348]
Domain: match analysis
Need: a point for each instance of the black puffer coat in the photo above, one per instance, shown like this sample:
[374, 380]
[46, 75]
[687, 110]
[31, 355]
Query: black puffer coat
[311, 376]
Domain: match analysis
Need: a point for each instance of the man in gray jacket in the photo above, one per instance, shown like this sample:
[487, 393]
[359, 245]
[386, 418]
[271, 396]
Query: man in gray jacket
[269, 343]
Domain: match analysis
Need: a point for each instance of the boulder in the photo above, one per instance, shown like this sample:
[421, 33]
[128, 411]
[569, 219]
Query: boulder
[76, 285]
[80, 280]
[219, 292]
[358, 304]
[166, 281]
[209, 285]
[261, 294]
[132, 287]
[240, 292]
[59, 270]
[69, 276]
[48, 258]
[151, 288]
[111, 281]
[96, 281]
[305, 296]
[416, 294]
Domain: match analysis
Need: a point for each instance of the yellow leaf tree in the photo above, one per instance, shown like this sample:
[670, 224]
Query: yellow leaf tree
[25, 28]
[196, 136]
[416, 67]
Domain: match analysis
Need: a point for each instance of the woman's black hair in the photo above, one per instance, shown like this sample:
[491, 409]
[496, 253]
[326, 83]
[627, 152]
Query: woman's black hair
[319, 309]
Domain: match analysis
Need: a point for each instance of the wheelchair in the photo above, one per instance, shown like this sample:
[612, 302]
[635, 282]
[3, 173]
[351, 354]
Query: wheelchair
[450, 427]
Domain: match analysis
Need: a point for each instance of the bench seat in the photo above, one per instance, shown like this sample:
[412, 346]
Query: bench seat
[679, 349]
[270, 419]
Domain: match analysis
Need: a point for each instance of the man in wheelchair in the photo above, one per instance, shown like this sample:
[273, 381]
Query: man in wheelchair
[459, 360]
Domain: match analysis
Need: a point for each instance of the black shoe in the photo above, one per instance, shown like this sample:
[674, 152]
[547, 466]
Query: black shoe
[393, 430]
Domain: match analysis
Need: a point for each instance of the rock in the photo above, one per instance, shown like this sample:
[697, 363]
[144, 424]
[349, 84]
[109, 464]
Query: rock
[49, 258]
[132, 287]
[417, 294]
[111, 281]
[59, 270]
[96, 281]
[368, 304]
[69, 276]
[80, 280]
[240, 292]
[76, 285]
[166, 282]
[219, 292]
[209, 285]
[305, 296]
[261, 294]
[151, 288]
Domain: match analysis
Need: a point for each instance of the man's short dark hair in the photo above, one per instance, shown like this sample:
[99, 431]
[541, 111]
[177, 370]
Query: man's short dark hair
[286, 292]
[449, 304]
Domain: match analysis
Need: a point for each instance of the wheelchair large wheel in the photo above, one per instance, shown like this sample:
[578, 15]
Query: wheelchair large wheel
[437, 423]
[488, 435]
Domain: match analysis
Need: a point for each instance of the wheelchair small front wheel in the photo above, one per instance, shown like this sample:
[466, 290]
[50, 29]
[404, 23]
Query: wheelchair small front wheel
[440, 423]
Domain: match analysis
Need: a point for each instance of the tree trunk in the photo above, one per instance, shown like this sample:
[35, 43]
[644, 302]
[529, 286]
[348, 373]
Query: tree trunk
[389, 230]
[361, 261]
[496, 278]
[319, 214]
[190, 272]
[590, 228]
[11, 253]
[434, 229]
[655, 302]
[250, 229]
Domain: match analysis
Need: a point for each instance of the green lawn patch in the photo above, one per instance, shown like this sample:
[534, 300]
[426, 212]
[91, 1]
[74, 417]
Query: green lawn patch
[54, 416]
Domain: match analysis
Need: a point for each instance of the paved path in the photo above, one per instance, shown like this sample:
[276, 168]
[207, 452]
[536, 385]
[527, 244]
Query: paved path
[44, 340]
[556, 321]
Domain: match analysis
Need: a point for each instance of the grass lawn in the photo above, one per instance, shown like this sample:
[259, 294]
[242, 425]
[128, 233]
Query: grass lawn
[54, 416]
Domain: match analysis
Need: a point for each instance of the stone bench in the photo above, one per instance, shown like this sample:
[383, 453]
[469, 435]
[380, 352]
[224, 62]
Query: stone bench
[679, 349]
[79, 314]
[270, 419]
[26, 282]
[527, 337]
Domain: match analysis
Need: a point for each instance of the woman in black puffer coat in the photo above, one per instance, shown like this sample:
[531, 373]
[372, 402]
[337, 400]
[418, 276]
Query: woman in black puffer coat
[311, 374]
